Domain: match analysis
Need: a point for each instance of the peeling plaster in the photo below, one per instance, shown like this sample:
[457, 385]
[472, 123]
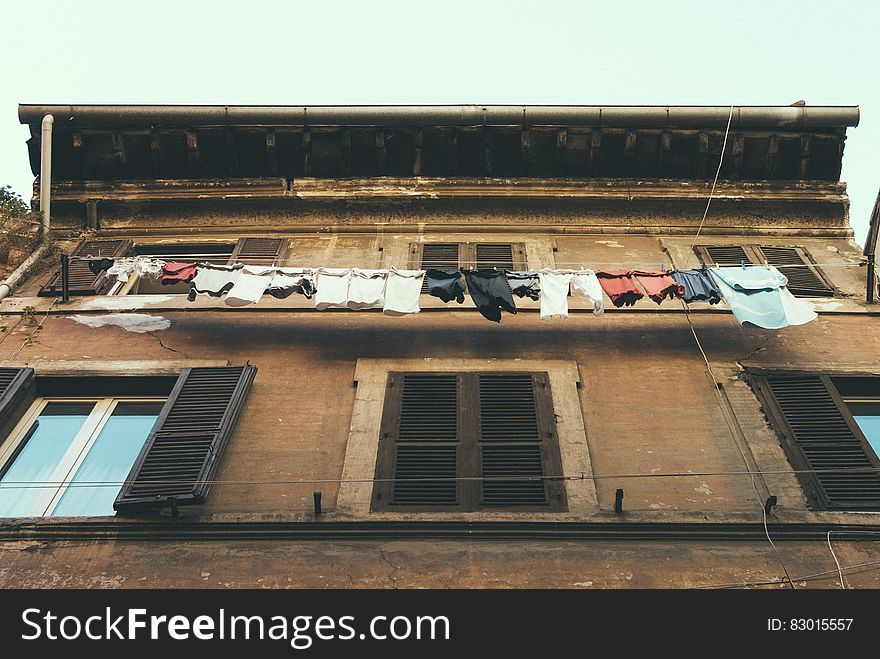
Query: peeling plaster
[139, 323]
[825, 306]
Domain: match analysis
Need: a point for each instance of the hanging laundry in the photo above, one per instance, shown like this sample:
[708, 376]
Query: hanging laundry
[758, 297]
[620, 287]
[524, 284]
[97, 266]
[402, 291]
[213, 280]
[366, 289]
[175, 273]
[446, 284]
[287, 281]
[252, 282]
[698, 286]
[332, 285]
[659, 284]
[490, 293]
[556, 286]
[140, 266]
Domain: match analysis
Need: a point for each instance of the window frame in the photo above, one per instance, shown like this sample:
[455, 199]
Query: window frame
[809, 480]
[469, 492]
[79, 448]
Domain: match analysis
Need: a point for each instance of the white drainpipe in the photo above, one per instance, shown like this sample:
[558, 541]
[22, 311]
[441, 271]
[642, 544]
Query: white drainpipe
[46, 170]
[45, 202]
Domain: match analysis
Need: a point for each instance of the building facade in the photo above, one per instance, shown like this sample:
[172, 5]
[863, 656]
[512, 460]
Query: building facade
[277, 445]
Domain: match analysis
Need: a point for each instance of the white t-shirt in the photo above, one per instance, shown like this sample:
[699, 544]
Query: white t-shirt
[402, 291]
[366, 289]
[555, 286]
[332, 286]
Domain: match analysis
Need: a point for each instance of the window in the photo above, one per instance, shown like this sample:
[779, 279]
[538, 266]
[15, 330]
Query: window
[468, 441]
[830, 429]
[252, 251]
[805, 279]
[71, 456]
[137, 442]
[214, 253]
[454, 256]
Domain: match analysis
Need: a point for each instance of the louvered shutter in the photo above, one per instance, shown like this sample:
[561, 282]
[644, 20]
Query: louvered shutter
[494, 255]
[821, 437]
[183, 450]
[513, 431]
[804, 278]
[82, 280]
[439, 256]
[259, 251]
[495, 433]
[724, 255]
[420, 442]
[16, 393]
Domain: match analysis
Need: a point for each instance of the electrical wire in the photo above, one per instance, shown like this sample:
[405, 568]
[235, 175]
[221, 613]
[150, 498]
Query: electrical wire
[840, 572]
[448, 479]
[714, 185]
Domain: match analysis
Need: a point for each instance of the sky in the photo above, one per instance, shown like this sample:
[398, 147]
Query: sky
[409, 52]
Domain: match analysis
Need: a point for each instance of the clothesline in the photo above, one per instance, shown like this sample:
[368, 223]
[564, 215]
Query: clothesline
[195, 258]
[757, 296]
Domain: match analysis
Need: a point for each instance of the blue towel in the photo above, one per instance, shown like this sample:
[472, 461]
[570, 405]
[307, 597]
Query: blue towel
[758, 297]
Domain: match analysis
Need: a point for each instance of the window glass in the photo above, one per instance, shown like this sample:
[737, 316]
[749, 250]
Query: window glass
[97, 481]
[866, 413]
[46, 443]
[870, 425]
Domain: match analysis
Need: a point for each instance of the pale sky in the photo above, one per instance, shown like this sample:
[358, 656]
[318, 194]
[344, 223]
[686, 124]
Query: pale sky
[407, 52]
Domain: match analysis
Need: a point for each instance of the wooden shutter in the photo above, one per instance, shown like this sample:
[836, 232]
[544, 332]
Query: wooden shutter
[821, 437]
[440, 256]
[804, 277]
[517, 442]
[260, 251]
[183, 450]
[502, 256]
[725, 255]
[82, 280]
[17, 391]
[494, 432]
[419, 452]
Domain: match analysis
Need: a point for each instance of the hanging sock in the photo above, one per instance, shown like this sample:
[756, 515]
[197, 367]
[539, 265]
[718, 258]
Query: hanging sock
[252, 282]
[659, 284]
[698, 286]
[758, 297]
[402, 291]
[366, 289]
[620, 287]
[332, 284]
[490, 293]
[287, 281]
[524, 284]
[556, 286]
[445, 284]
